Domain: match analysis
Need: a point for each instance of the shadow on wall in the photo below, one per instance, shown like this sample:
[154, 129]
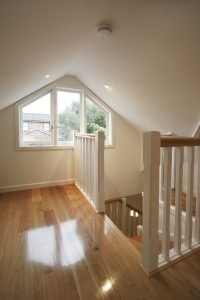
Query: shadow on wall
[111, 189]
[66, 159]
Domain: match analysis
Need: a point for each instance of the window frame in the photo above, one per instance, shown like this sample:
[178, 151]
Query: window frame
[53, 89]
[20, 122]
[108, 130]
[70, 90]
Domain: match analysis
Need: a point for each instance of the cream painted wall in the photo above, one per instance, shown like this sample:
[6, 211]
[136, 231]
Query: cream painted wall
[123, 163]
[27, 167]
[18, 168]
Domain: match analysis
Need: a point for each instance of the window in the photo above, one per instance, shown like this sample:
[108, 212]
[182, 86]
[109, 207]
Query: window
[97, 118]
[33, 116]
[25, 126]
[50, 119]
[68, 115]
[47, 126]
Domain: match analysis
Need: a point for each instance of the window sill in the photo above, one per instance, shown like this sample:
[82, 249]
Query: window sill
[45, 147]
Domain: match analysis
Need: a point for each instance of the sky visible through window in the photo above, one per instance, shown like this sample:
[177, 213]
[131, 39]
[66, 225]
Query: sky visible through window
[40, 106]
[65, 99]
[43, 105]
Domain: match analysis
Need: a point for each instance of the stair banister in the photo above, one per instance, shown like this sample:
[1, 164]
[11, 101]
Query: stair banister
[89, 167]
[174, 228]
[150, 239]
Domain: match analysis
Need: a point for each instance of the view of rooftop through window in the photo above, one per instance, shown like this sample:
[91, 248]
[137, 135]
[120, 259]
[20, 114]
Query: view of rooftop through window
[36, 118]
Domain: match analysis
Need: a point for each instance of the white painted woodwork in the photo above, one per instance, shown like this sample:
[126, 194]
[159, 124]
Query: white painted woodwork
[139, 230]
[134, 225]
[174, 223]
[197, 214]
[117, 214]
[119, 211]
[89, 167]
[161, 188]
[189, 199]
[151, 142]
[173, 168]
[124, 215]
[99, 171]
[167, 163]
[178, 198]
[128, 221]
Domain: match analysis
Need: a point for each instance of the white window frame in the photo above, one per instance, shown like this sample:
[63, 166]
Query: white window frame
[20, 122]
[108, 130]
[66, 89]
[52, 89]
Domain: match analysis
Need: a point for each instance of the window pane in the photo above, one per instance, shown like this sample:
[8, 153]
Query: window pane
[46, 127]
[97, 118]
[25, 126]
[68, 118]
[34, 116]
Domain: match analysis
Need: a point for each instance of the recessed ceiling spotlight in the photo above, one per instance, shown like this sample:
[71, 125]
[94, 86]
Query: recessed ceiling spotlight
[104, 31]
[107, 86]
[47, 76]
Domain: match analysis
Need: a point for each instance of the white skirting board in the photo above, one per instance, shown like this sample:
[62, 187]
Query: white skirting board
[28, 186]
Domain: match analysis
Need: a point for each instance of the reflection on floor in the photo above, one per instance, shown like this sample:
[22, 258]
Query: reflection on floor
[50, 251]
[54, 246]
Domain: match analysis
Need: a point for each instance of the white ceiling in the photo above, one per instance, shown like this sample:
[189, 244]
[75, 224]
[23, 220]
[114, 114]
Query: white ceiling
[151, 61]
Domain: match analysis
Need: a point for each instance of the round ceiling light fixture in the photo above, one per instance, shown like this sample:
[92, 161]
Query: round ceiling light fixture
[104, 31]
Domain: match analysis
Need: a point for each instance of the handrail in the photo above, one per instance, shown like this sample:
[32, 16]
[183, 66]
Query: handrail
[124, 215]
[176, 141]
[170, 162]
[119, 200]
[89, 167]
[87, 135]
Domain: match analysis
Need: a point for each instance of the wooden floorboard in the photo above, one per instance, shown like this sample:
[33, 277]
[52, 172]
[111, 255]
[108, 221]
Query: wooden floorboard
[54, 246]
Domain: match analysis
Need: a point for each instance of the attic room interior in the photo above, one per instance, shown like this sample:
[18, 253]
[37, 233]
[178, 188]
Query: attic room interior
[100, 149]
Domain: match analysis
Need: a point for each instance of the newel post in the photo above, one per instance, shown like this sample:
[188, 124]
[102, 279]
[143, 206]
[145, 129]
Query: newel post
[151, 156]
[99, 172]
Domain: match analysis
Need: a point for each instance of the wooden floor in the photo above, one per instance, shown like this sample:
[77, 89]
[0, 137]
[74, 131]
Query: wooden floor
[53, 246]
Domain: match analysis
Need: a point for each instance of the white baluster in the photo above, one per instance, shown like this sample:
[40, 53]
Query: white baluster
[128, 221]
[89, 169]
[75, 160]
[135, 225]
[81, 162]
[117, 213]
[161, 174]
[124, 215]
[173, 175]
[166, 205]
[79, 157]
[197, 213]
[86, 167]
[178, 198]
[93, 172]
[189, 198]
[99, 171]
[78, 161]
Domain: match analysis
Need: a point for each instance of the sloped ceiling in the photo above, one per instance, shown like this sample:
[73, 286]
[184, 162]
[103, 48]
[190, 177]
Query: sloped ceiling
[151, 61]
